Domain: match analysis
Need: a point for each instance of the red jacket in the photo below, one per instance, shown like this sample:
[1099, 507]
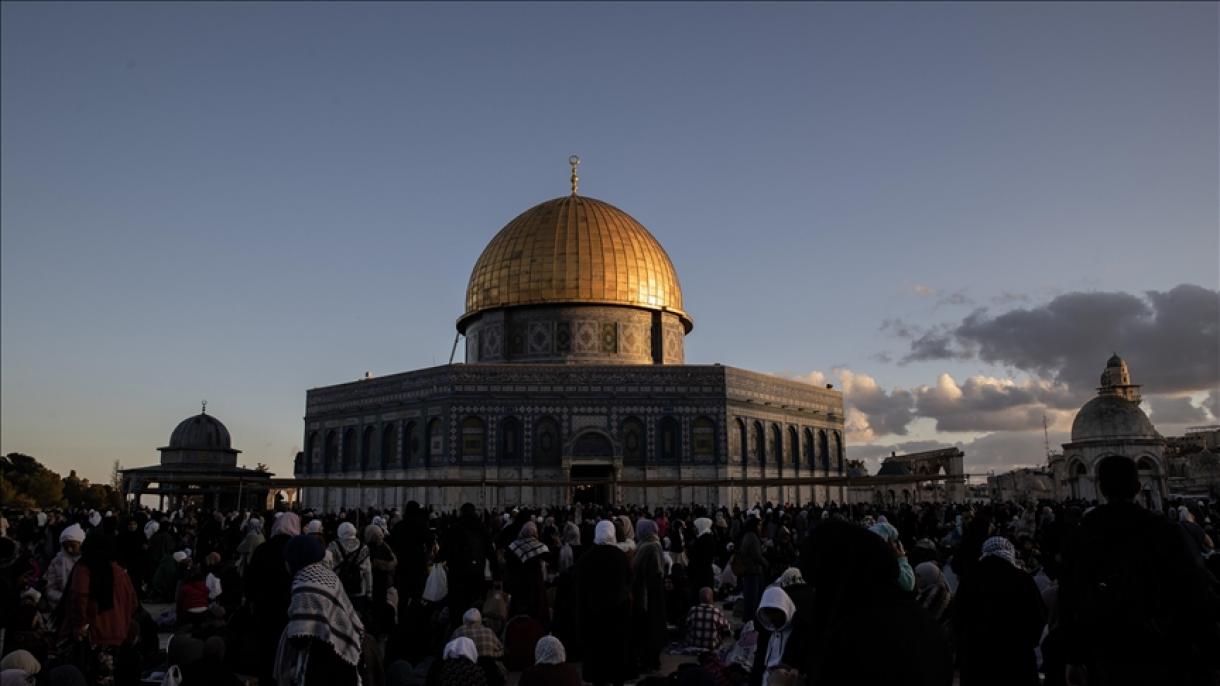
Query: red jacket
[191, 594]
[109, 628]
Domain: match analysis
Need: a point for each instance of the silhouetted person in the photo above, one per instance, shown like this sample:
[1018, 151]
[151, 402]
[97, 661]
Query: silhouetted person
[468, 552]
[1136, 608]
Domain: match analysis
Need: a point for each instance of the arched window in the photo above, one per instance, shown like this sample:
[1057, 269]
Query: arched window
[838, 453]
[775, 445]
[474, 437]
[760, 445]
[703, 438]
[547, 450]
[311, 453]
[435, 441]
[824, 450]
[349, 449]
[1076, 474]
[794, 446]
[670, 447]
[332, 452]
[366, 448]
[633, 441]
[809, 458]
[743, 441]
[389, 441]
[410, 444]
[511, 440]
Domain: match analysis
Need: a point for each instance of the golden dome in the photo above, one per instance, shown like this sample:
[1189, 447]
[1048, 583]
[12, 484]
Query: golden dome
[574, 250]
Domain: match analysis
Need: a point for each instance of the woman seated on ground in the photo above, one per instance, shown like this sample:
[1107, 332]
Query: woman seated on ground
[550, 666]
[458, 666]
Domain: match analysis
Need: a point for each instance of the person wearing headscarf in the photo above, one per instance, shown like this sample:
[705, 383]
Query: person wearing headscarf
[384, 564]
[23, 660]
[998, 619]
[931, 589]
[485, 640]
[701, 554]
[250, 542]
[525, 575]
[351, 562]
[889, 534]
[130, 545]
[648, 597]
[774, 619]
[268, 585]
[458, 666]
[625, 533]
[16, 677]
[551, 667]
[70, 540]
[99, 604]
[571, 546]
[322, 640]
[603, 578]
[853, 574]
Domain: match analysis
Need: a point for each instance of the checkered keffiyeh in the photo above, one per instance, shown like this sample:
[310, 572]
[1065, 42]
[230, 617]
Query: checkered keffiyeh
[485, 641]
[705, 624]
[320, 609]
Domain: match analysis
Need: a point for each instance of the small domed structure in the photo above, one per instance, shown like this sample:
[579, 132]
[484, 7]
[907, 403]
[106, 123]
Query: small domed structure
[1108, 417]
[1111, 424]
[200, 441]
[203, 431]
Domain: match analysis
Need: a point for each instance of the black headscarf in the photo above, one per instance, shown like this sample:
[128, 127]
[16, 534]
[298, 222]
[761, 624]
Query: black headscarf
[97, 554]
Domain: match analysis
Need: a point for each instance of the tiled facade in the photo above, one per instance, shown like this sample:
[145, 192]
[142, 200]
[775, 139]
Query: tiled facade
[523, 423]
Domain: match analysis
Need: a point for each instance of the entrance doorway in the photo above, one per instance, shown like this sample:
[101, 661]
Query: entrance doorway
[591, 483]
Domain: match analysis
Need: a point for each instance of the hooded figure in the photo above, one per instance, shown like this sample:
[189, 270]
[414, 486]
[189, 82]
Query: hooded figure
[268, 584]
[250, 542]
[322, 640]
[571, 546]
[525, 575]
[701, 555]
[775, 614]
[70, 540]
[931, 589]
[352, 562]
[998, 618]
[458, 666]
[550, 668]
[603, 578]
[648, 596]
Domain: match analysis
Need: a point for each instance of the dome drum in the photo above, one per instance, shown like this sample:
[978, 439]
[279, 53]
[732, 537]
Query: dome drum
[587, 334]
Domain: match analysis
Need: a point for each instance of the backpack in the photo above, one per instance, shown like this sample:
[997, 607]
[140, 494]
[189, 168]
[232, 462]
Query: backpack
[348, 570]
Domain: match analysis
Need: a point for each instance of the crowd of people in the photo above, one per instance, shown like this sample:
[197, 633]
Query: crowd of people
[770, 595]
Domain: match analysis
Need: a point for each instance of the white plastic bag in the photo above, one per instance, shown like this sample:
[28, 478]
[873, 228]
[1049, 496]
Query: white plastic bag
[437, 586]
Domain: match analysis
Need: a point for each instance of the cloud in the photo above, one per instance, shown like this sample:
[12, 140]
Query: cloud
[984, 403]
[1006, 298]
[957, 299]
[1212, 403]
[923, 291]
[1168, 338]
[1175, 410]
[998, 451]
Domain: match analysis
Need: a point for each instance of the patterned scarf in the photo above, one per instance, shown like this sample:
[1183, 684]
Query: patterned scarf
[998, 546]
[320, 609]
[527, 549]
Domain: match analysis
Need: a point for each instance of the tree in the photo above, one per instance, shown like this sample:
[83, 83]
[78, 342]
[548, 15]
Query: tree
[31, 482]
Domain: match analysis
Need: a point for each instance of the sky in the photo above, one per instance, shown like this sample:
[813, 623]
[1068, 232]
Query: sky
[954, 212]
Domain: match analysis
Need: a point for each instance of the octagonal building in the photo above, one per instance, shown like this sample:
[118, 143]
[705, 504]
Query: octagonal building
[575, 388]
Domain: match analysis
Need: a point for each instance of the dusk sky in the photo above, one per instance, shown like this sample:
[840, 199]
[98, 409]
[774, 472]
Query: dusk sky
[954, 212]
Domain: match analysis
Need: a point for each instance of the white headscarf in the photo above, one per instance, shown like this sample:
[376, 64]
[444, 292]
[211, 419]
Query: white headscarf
[472, 616]
[347, 531]
[603, 533]
[549, 651]
[72, 533]
[702, 526]
[460, 647]
[151, 528]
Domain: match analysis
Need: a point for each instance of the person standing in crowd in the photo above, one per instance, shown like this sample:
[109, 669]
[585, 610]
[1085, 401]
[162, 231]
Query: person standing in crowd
[467, 552]
[570, 547]
[550, 666]
[70, 540]
[998, 620]
[648, 597]
[525, 575]
[349, 559]
[932, 590]
[250, 542]
[321, 642]
[889, 534]
[1135, 602]
[604, 582]
[854, 578]
[702, 555]
[753, 565]
[131, 544]
[99, 604]
[382, 613]
[268, 588]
